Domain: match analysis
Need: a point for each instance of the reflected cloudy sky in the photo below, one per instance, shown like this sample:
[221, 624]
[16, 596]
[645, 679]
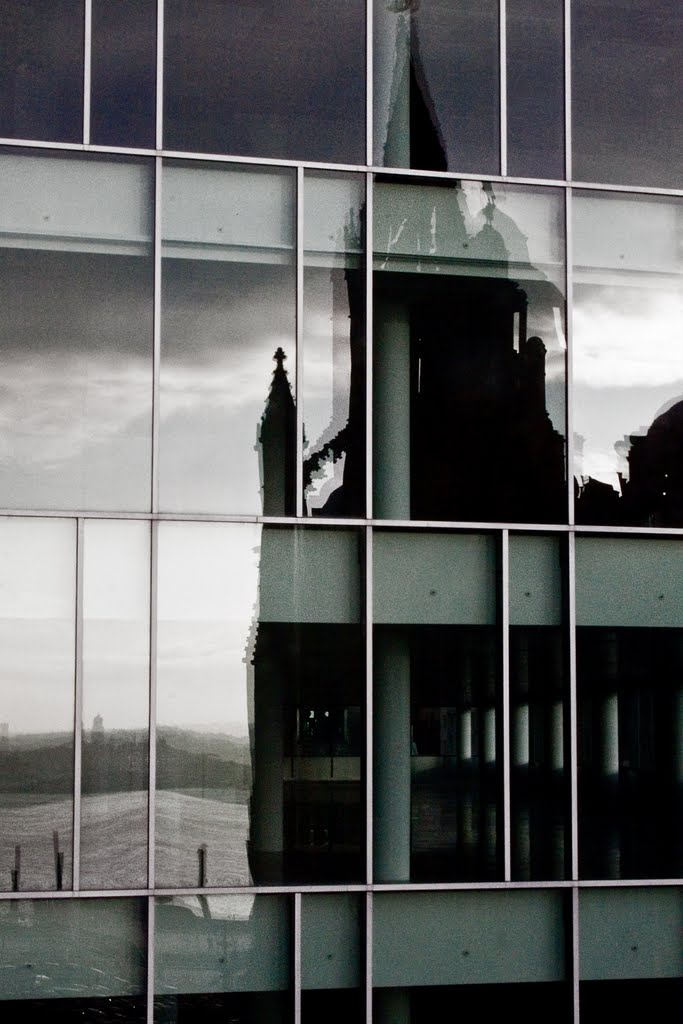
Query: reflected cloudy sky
[75, 392]
[222, 323]
[628, 311]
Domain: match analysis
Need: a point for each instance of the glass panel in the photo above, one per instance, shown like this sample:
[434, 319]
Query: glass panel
[538, 702]
[260, 689]
[330, 941]
[535, 88]
[630, 701]
[76, 274]
[633, 939]
[631, 933]
[437, 706]
[222, 958]
[533, 1003]
[266, 78]
[627, 52]
[436, 82]
[331, 959]
[333, 385]
[41, 72]
[469, 365]
[467, 938]
[37, 638]
[228, 416]
[70, 960]
[628, 380]
[114, 756]
[122, 98]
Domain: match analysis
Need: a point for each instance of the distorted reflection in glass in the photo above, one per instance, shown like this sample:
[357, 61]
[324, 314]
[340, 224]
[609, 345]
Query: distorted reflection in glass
[631, 953]
[123, 73]
[629, 610]
[629, 53]
[538, 680]
[437, 708]
[259, 690]
[41, 72]
[333, 384]
[486, 953]
[436, 80]
[70, 960]
[628, 370]
[266, 79]
[535, 88]
[37, 626]
[331, 959]
[469, 352]
[222, 958]
[77, 299]
[114, 753]
[228, 364]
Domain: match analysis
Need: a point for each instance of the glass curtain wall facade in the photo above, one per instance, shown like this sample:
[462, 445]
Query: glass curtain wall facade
[341, 510]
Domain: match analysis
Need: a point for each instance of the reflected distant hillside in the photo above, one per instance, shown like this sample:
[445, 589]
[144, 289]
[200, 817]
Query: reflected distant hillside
[116, 761]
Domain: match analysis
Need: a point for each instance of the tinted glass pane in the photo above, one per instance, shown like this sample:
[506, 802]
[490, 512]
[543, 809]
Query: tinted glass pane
[535, 88]
[228, 413]
[437, 711]
[436, 85]
[123, 72]
[629, 54]
[628, 377]
[629, 665]
[469, 364]
[222, 957]
[333, 385]
[114, 755]
[265, 78]
[41, 72]
[259, 770]
[70, 960]
[37, 623]
[538, 709]
[77, 293]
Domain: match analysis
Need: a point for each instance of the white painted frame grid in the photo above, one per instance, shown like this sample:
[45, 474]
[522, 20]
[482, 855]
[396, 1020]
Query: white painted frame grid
[572, 885]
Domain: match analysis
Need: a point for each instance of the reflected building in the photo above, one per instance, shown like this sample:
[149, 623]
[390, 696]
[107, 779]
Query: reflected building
[652, 488]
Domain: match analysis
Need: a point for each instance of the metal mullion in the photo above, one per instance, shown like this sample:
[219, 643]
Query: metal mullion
[156, 337]
[87, 68]
[151, 923]
[505, 652]
[573, 722]
[569, 352]
[299, 352]
[502, 85]
[78, 710]
[159, 133]
[297, 958]
[369, 347]
[369, 82]
[369, 746]
[152, 756]
[568, 89]
[575, 963]
[368, 955]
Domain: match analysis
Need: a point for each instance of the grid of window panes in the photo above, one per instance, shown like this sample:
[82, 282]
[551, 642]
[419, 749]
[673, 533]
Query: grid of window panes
[341, 510]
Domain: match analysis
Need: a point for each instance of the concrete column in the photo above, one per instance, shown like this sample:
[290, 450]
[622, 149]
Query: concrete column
[267, 808]
[391, 439]
[392, 756]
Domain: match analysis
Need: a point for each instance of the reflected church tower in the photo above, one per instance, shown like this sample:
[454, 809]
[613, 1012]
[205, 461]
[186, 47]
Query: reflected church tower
[277, 444]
